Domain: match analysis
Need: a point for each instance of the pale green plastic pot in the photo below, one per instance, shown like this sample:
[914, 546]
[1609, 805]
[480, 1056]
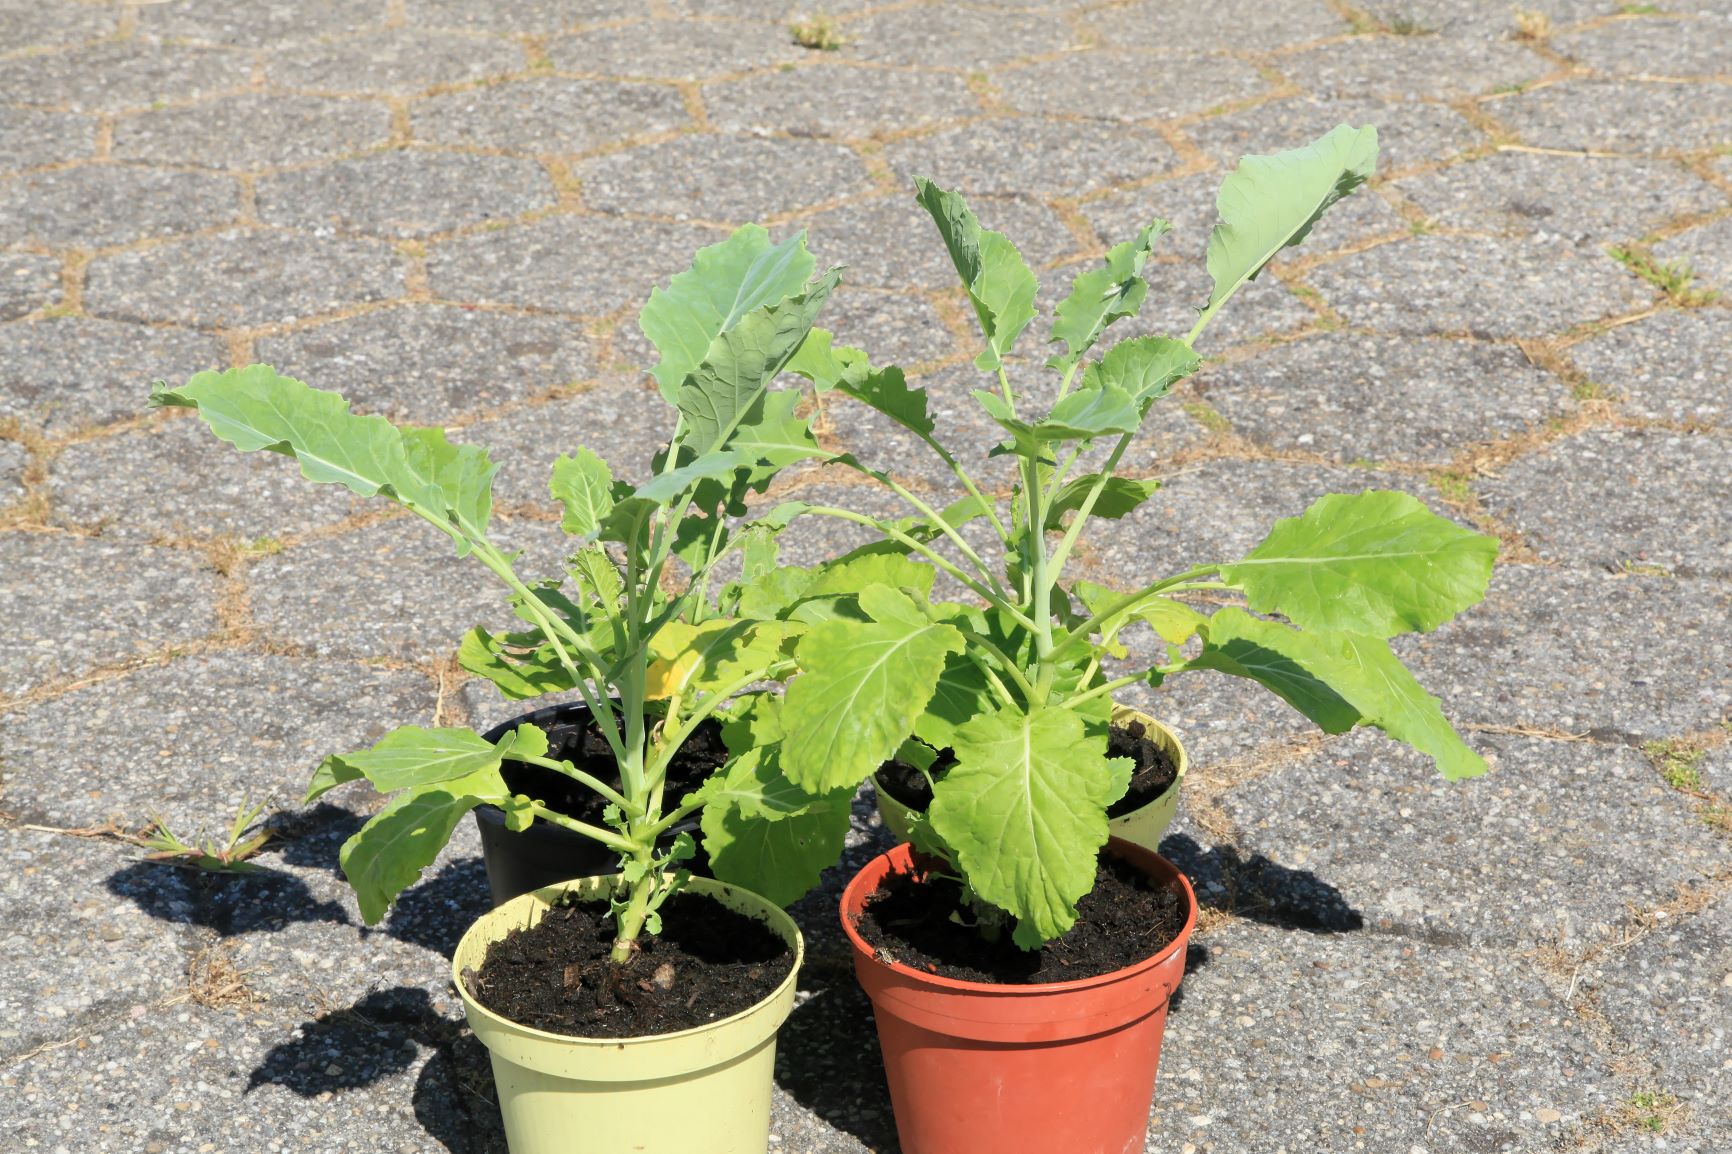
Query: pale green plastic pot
[1145, 827]
[704, 1089]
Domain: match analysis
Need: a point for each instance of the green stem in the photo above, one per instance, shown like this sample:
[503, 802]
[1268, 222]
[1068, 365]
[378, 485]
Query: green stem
[578, 775]
[1071, 534]
[1105, 688]
[631, 919]
[606, 837]
[1081, 633]
[932, 515]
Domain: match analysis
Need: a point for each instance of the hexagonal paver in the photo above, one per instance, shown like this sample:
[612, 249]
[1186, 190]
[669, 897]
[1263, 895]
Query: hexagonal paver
[397, 60]
[151, 598]
[1667, 367]
[1483, 286]
[107, 77]
[536, 17]
[1005, 157]
[674, 51]
[112, 204]
[194, 738]
[243, 277]
[893, 328]
[253, 130]
[62, 373]
[588, 265]
[428, 363]
[1240, 24]
[1414, 67]
[1619, 115]
[1581, 198]
[259, 23]
[1584, 652]
[722, 178]
[1127, 86]
[176, 479]
[26, 26]
[1408, 133]
[1647, 46]
[1503, 859]
[13, 458]
[1352, 396]
[1609, 497]
[1706, 250]
[953, 37]
[1451, 20]
[406, 194]
[1178, 290]
[29, 137]
[396, 590]
[834, 100]
[550, 114]
[27, 283]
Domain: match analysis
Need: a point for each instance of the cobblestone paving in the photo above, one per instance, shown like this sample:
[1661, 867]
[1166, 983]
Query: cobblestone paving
[450, 210]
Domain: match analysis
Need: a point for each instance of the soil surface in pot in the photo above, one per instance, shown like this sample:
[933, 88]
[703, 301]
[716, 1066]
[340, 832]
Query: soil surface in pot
[581, 743]
[708, 963]
[1156, 770]
[1124, 920]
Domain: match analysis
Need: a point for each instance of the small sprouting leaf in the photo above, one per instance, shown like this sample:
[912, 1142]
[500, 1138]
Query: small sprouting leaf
[1377, 562]
[1119, 497]
[724, 283]
[764, 833]
[1145, 367]
[1103, 295]
[584, 485]
[998, 281]
[524, 742]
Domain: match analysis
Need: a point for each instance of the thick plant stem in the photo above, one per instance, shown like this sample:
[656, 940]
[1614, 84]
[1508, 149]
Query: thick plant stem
[630, 924]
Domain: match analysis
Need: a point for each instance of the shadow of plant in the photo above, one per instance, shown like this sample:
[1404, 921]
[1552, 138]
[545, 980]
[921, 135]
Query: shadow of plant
[264, 900]
[1261, 890]
[827, 1055]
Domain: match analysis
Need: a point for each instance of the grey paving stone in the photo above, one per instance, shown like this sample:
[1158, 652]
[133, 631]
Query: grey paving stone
[953, 37]
[1589, 200]
[1178, 291]
[1666, 367]
[535, 17]
[150, 598]
[891, 242]
[1670, 993]
[243, 277]
[1219, 719]
[1242, 25]
[27, 283]
[781, 11]
[721, 178]
[1707, 250]
[550, 114]
[195, 738]
[253, 130]
[1619, 115]
[1414, 67]
[396, 591]
[1031, 157]
[29, 137]
[1127, 86]
[63, 373]
[12, 461]
[830, 99]
[428, 363]
[1408, 133]
[1614, 497]
[892, 328]
[1487, 287]
[569, 264]
[1454, 20]
[674, 51]
[1554, 846]
[397, 60]
[107, 77]
[1653, 47]
[27, 26]
[1716, 769]
[176, 479]
[1288, 1040]
[1355, 397]
[107, 956]
[111, 204]
[258, 23]
[1585, 652]
[405, 194]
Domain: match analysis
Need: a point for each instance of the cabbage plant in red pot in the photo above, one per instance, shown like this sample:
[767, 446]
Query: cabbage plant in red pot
[1019, 975]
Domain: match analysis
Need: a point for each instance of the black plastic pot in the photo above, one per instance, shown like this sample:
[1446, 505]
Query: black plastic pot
[543, 854]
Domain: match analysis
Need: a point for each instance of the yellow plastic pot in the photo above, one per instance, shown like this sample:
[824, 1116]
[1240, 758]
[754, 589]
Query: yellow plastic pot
[1144, 827]
[706, 1088]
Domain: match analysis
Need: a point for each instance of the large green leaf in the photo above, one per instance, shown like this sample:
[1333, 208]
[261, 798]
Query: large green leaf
[998, 281]
[1119, 497]
[1270, 202]
[725, 282]
[1244, 646]
[584, 485]
[1024, 809]
[1103, 295]
[960, 695]
[764, 833]
[713, 654]
[411, 757]
[519, 664]
[1377, 562]
[862, 687]
[1145, 367]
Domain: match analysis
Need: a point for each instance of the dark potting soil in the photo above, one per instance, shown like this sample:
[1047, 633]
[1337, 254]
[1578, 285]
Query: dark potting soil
[708, 963]
[1124, 920]
[1156, 770]
[580, 742]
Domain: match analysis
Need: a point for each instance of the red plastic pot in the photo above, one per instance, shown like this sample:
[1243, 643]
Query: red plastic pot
[979, 1068]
